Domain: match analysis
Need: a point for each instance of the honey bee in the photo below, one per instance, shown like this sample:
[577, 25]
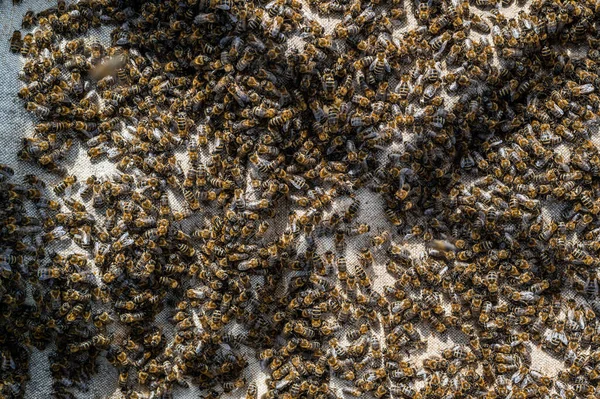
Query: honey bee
[16, 41]
[313, 123]
[380, 65]
[65, 185]
[29, 19]
[381, 240]
[252, 391]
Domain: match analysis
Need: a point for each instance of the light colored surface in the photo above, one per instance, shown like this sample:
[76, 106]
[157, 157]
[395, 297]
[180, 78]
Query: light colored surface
[16, 123]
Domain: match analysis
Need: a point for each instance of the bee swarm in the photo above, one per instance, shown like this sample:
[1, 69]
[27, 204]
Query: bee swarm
[207, 103]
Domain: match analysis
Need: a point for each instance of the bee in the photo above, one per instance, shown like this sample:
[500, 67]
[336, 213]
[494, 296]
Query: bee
[280, 119]
[403, 89]
[479, 24]
[65, 185]
[252, 391]
[39, 110]
[329, 84]
[440, 42]
[16, 41]
[380, 66]
[403, 390]
[246, 59]
[29, 19]
[233, 385]
[423, 13]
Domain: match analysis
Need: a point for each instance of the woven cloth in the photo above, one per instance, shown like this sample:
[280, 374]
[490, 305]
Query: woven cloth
[16, 123]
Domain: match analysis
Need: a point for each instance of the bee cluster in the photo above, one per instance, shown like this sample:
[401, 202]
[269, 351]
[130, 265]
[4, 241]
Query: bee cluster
[22, 325]
[217, 126]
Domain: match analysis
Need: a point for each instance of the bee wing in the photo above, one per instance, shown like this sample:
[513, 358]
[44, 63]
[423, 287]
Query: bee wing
[586, 88]
[5, 266]
[388, 68]
[69, 190]
[437, 55]
[372, 65]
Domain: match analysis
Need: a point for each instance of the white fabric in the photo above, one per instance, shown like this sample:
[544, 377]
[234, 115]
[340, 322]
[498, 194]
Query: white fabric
[16, 123]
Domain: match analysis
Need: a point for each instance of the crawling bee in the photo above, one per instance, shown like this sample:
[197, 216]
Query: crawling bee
[16, 42]
[29, 19]
[56, 234]
[65, 185]
[381, 239]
